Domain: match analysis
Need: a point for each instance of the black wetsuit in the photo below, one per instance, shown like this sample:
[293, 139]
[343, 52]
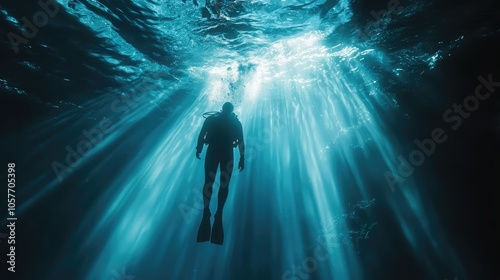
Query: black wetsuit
[220, 132]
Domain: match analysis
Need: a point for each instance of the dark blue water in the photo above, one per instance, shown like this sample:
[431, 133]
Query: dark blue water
[370, 151]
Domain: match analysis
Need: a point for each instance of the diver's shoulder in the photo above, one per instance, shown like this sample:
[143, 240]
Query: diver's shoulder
[235, 118]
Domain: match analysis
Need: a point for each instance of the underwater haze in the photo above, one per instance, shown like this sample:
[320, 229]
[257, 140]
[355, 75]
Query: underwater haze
[371, 132]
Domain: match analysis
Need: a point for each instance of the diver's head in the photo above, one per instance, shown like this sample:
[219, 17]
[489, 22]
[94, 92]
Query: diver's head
[227, 108]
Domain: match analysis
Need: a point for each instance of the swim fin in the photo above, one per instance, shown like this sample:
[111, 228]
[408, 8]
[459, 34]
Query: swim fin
[217, 231]
[204, 230]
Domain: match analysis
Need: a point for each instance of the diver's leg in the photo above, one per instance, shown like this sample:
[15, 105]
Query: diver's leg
[225, 177]
[211, 164]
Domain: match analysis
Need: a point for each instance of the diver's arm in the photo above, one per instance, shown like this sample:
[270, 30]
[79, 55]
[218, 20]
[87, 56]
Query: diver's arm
[241, 147]
[201, 138]
[241, 142]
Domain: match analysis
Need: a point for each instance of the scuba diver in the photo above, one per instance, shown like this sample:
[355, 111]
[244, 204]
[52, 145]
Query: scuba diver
[222, 132]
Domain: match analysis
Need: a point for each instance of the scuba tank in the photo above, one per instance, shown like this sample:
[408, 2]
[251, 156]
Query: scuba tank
[216, 114]
[210, 113]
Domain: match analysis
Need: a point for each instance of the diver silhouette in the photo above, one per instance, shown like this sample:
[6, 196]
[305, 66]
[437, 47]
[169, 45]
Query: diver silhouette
[222, 132]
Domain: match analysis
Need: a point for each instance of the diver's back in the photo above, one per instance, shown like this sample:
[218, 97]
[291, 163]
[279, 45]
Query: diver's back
[222, 131]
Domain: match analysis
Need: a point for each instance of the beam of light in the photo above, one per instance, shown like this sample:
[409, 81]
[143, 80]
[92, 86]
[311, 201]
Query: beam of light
[313, 119]
[305, 109]
[302, 115]
[321, 106]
